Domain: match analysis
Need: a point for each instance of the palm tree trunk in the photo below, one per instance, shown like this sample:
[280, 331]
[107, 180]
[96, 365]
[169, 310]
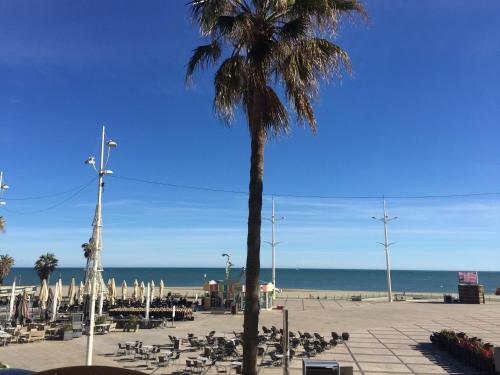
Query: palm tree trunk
[251, 319]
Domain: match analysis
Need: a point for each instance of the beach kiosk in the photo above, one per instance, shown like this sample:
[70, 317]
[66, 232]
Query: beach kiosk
[469, 289]
[266, 293]
[221, 294]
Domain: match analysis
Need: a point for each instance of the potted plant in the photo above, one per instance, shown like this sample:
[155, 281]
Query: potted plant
[132, 323]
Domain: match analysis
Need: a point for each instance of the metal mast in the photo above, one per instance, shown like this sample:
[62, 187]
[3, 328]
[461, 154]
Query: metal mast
[94, 282]
[273, 242]
[387, 245]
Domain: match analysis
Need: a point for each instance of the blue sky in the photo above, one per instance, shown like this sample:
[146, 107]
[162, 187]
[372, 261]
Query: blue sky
[418, 116]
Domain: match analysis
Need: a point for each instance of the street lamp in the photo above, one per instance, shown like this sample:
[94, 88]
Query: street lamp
[94, 266]
[3, 187]
[273, 242]
[386, 245]
[228, 265]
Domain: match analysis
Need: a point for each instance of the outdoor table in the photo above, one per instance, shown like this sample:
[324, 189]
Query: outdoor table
[148, 347]
[235, 365]
[101, 328]
[4, 338]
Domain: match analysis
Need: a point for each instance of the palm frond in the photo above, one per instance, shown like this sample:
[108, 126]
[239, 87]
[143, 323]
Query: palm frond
[203, 56]
[230, 86]
[274, 113]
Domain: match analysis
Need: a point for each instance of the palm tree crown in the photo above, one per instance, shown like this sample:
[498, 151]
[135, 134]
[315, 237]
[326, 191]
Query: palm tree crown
[45, 265]
[6, 263]
[284, 44]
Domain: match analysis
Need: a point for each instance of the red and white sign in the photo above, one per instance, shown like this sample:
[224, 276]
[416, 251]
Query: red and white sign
[467, 278]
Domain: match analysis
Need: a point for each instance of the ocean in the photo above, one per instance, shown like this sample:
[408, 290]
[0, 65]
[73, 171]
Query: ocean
[330, 279]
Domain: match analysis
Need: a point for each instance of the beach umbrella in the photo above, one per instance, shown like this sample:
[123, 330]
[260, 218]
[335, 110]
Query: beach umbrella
[108, 286]
[24, 312]
[135, 294]
[152, 290]
[112, 292]
[142, 292]
[12, 299]
[148, 301]
[44, 294]
[53, 301]
[72, 292]
[124, 290]
[81, 291]
[162, 287]
[59, 291]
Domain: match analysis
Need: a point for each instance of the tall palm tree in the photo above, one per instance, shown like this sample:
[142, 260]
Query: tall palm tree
[45, 265]
[270, 47]
[6, 263]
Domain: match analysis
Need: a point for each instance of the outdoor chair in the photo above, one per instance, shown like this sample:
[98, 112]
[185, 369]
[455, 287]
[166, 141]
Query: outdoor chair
[276, 359]
[174, 356]
[162, 361]
[122, 349]
[189, 366]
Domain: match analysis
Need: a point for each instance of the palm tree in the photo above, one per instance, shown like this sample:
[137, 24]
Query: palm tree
[87, 252]
[6, 263]
[45, 265]
[270, 44]
[2, 224]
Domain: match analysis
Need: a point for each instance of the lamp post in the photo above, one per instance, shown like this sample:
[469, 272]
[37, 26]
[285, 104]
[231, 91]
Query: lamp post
[3, 187]
[94, 267]
[228, 266]
[273, 242]
[386, 245]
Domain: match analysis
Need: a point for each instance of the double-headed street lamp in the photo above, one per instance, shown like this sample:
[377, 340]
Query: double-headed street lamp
[3, 187]
[94, 266]
[386, 245]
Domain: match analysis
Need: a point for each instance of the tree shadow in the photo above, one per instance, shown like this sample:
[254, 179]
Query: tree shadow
[446, 361]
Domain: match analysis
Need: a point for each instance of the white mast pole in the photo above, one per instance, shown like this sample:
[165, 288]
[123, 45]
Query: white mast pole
[387, 245]
[96, 254]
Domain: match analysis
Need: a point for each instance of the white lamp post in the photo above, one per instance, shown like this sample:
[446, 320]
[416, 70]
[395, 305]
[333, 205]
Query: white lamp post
[94, 267]
[273, 242]
[386, 245]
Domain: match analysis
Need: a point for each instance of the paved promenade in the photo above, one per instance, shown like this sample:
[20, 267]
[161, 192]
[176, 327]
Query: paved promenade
[385, 338]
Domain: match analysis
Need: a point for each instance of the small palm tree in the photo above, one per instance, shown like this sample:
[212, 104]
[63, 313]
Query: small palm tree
[270, 47]
[6, 263]
[45, 265]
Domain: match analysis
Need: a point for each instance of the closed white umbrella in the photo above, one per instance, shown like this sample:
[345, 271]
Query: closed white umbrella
[44, 295]
[162, 287]
[152, 290]
[108, 285]
[124, 290]
[12, 298]
[72, 292]
[135, 294]
[60, 291]
[54, 302]
[112, 292]
[148, 300]
[81, 290]
[142, 292]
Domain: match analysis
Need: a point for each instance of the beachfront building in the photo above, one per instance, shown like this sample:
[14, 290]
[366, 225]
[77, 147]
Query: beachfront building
[224, 295]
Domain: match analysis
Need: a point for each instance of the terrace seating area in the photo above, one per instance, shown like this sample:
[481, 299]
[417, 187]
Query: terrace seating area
[221, 353]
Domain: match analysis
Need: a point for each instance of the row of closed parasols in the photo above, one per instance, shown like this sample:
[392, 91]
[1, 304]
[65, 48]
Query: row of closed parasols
[76, 295]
